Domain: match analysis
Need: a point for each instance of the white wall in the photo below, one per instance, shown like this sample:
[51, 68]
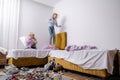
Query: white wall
[34, 18]
[50, 3]
[92, 22]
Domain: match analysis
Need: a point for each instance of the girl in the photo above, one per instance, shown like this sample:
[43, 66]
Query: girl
[53, 22]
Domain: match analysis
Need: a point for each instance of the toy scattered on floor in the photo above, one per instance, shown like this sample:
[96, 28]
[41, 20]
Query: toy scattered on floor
[50, 65]
[58, 68]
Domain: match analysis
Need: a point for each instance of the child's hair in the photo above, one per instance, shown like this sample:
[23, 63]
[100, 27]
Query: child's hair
[54, 14]
[31, 34]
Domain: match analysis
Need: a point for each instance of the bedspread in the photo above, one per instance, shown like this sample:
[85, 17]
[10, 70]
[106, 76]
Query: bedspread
[88, 59]
[17, 53]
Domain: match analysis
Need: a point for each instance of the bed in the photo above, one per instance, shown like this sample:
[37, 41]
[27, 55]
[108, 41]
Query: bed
[3, 53]
[61, 40]
[27, 57]
[81, 62]
[66, 61]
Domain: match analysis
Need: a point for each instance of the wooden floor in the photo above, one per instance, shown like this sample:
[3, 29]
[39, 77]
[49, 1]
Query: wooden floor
[81, 76]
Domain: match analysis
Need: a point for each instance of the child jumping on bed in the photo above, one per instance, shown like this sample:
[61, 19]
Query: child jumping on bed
[52, 23]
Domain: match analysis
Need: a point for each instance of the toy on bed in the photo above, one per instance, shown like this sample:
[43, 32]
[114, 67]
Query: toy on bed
[50, 47]
[76, 47]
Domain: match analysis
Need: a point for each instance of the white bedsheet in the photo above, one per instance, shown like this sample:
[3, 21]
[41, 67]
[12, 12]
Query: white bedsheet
[17, 53]
[60, 54]
[88, 59]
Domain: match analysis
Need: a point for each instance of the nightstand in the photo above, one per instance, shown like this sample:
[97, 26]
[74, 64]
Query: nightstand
[3, 60]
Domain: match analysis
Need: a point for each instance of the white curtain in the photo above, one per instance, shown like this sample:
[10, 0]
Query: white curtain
[9, 19]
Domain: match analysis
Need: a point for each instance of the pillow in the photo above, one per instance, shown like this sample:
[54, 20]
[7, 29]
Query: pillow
[23, 40]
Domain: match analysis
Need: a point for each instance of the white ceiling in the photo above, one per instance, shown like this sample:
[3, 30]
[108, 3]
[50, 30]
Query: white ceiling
[51, 3]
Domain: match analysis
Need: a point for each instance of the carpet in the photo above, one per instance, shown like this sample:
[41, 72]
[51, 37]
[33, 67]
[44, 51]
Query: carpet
[13, 73]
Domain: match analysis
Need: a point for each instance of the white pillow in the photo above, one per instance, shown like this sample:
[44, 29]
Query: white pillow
[23, 40]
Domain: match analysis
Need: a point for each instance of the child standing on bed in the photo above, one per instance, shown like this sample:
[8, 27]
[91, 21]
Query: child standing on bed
[53, 22]
[31, 41]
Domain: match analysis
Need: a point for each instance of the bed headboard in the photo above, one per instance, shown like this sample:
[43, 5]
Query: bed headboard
[61, 40]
